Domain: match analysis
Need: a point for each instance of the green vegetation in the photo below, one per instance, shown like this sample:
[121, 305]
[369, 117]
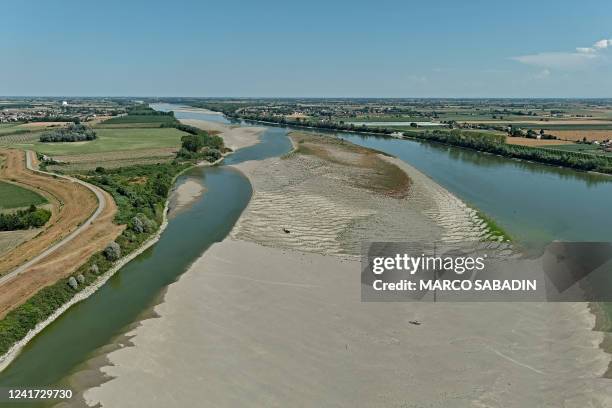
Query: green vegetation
[497, 145]
[140, 193]
[112, 140]
[586, 148]
[494, 229]
[143, 114]
[74, 132]
[199, 144]
[24, 219]
[14, 196]
[489, 142]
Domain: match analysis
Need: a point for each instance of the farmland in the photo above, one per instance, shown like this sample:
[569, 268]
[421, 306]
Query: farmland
[113, 140]
[534, 126]
[142, 115]
[14, 196]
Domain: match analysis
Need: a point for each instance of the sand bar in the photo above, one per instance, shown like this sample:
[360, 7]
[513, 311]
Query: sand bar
[287, 327]
[235, 137]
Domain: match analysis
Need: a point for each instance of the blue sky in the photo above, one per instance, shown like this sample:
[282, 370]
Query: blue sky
[308, 48]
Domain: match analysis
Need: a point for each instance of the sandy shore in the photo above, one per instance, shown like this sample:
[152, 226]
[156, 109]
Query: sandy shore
[287, 327]
[234, 137]
[185, 194]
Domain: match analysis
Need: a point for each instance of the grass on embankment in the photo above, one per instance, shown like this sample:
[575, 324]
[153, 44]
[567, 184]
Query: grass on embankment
[140, 192]
[13, 196]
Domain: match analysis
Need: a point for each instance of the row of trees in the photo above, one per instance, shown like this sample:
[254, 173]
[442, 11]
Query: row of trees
[24, 219]
[491, 143]
[75, 132]
[496, 144]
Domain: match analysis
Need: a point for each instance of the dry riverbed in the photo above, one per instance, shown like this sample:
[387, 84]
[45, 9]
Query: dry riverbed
[274, 318]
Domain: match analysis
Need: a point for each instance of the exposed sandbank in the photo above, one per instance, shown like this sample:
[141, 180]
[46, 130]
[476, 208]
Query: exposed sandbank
[234, 137]
[288, 329]
[269, 318]
[185, 194]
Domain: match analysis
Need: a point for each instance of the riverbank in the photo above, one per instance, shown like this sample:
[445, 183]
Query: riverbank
[596, 164]
[92, 284]
[234, 137]
[287, 327]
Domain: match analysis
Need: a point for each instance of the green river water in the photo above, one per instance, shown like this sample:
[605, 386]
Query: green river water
[534, 203]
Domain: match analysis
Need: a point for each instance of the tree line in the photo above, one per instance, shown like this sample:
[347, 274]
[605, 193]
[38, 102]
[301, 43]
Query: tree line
[24, 219]
[75, 132]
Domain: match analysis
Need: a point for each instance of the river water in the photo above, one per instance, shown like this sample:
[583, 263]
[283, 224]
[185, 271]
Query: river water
[533, 202]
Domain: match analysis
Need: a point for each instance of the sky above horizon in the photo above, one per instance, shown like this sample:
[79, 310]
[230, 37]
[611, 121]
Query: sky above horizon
[308, 49]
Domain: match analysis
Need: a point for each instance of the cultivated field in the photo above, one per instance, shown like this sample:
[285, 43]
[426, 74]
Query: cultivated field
[140, 119]
[7, 129]
[113, 140]
[575, 135]
[523, 141]
[19, 138]
[112, 160]
[14, 196]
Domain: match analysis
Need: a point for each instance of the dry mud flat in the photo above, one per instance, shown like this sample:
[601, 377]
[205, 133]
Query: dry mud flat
[267, 318]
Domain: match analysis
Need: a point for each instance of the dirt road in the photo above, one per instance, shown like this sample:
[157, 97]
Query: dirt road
[81, 224]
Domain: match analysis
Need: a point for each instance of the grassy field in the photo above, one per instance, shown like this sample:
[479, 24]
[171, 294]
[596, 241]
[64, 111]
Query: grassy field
[9, 129]
[157, 119]
[12, 196]
[112, 140]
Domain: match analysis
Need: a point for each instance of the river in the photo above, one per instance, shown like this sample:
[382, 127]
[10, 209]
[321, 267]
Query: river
[534, 203]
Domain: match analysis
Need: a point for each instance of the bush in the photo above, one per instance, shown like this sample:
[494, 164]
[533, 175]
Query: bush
[112, 252]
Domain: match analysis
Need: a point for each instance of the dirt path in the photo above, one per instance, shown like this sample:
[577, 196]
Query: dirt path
[82, 216]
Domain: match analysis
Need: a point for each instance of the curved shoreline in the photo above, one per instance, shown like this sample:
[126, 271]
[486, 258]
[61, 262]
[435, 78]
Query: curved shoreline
[274, 318]
[7, 358]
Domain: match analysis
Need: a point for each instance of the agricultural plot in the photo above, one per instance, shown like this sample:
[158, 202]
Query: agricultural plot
[580, 134]
[130, 119]
[9, 129]
[523, 141]
[583, 148]
[14, 196]
[19, 138]
[112, 160]
[113, 140]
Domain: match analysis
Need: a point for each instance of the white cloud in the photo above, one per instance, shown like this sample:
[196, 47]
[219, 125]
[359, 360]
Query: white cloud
[601, 44]
[566, 60]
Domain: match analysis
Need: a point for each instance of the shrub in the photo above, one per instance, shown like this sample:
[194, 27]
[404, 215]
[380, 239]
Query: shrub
[112, 252]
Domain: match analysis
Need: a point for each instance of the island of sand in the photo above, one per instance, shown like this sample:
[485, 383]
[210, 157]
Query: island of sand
[272, 315]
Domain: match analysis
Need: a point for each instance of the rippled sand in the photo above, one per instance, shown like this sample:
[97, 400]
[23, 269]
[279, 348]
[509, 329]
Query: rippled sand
[268, 318]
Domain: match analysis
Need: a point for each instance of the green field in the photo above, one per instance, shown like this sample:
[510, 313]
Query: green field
[157, 119]
[112, 140]
[12, 196]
